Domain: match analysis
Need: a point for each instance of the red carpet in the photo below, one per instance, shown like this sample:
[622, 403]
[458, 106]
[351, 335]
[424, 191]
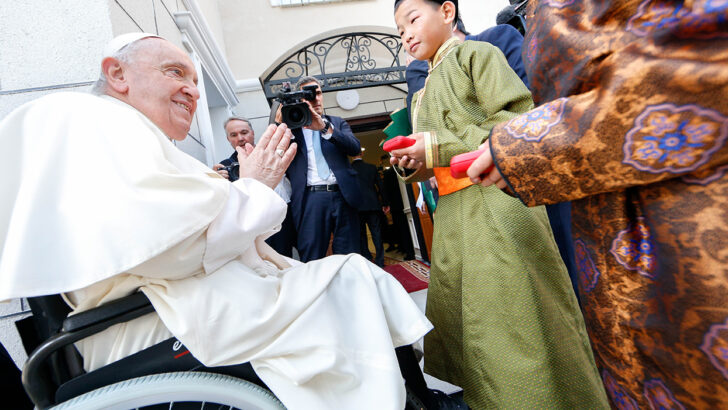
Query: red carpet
[413, 275]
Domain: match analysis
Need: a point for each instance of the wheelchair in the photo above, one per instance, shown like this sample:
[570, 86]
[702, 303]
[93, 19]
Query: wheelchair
[163, 376]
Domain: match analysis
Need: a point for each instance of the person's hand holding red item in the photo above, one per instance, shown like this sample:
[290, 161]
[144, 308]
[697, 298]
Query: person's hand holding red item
[412, 157]
[480, 166]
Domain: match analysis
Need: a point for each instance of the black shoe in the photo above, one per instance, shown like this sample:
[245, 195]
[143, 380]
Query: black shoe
[445, 402]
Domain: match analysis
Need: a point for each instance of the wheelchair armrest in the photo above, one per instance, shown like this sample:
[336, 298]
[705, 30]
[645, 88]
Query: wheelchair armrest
[105, 312]
[74, 329]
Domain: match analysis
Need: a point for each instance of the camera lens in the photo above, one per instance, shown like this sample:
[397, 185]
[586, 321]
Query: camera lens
[296, 115]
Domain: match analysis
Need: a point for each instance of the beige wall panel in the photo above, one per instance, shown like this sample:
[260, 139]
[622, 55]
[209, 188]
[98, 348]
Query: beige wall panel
[382, 92]
[366, 109]
[213, 19]
[167, 27]
[256, 33]
[127, 14]
[394, 105]
[252, 104]
[46, 43]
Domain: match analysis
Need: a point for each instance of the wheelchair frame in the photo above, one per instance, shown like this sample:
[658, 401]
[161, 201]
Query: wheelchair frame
[54, 373]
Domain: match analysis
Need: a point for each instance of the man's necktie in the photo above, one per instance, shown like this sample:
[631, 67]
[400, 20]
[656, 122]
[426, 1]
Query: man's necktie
[321, 166]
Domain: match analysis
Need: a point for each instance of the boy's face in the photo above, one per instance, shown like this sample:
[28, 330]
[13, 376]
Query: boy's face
[423, 26]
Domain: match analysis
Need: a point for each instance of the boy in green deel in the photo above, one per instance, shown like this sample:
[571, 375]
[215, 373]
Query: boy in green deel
[508, 329]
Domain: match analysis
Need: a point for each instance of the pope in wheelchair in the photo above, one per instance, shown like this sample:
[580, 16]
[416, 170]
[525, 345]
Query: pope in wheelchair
[98, 203]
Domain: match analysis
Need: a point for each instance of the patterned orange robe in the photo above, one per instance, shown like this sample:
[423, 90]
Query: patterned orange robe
[631, 125]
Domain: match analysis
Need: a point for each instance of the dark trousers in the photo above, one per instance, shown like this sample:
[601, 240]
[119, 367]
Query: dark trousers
[371, 219]
[402, 234]
[285, 239]
[324, 213]
[14, 397]
[560, 221]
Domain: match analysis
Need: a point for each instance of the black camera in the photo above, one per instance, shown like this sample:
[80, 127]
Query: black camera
[231, 166]
[294, 110]
[233, 171]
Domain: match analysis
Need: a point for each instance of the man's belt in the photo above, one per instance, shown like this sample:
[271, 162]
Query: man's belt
[323, 188]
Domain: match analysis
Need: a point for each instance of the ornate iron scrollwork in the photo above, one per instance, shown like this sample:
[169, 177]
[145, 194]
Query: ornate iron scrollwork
[352, 60]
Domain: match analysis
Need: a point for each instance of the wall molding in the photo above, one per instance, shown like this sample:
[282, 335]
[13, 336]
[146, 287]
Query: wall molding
[248, 85]
[197, 37]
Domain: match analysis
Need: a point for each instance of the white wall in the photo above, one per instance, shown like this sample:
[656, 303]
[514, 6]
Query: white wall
[39, 55]
[211, 10]
[51, 46]
[37, 49]
[256, 33]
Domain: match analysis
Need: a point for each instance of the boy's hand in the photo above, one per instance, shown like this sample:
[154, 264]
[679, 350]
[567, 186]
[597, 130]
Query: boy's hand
[412, 157]
[483, 162]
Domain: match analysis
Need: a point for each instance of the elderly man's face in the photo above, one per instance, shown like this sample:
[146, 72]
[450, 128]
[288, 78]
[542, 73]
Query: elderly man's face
[318, 104]
[163, 86]
[239, 133]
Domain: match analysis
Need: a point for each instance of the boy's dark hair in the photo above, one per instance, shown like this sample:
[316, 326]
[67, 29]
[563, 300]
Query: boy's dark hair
[461, 26]
[440, 3]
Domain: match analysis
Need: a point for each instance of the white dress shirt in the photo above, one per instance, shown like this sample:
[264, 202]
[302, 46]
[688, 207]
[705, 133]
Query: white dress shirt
[312, 176]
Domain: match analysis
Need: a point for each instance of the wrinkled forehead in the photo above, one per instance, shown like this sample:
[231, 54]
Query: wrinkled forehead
[237, 125]
[160, 50]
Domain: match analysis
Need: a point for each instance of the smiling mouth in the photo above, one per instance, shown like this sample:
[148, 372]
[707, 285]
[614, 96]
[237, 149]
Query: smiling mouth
[184, 106]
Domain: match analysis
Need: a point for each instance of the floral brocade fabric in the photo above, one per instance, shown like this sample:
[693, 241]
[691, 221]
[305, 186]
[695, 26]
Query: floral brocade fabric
[631, 124]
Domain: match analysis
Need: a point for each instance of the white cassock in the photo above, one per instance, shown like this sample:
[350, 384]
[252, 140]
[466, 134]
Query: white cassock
[97, 202]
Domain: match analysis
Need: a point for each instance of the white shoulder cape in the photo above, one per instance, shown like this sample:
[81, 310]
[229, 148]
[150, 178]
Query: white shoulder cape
[79, 170]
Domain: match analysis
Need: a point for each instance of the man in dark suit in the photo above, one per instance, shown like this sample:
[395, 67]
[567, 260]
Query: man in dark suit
[325, 189]
[370, 208]
[240, 133]
[400, 228]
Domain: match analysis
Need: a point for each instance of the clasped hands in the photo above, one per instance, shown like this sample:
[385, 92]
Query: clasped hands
[413, 157]
[268, 160]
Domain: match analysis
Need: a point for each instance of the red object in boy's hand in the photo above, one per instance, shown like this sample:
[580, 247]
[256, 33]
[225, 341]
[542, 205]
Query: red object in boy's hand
[398, 143]
[459, 164]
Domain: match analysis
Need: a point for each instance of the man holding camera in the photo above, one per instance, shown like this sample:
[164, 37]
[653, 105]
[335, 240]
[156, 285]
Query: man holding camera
[162, 222]
[325, 189]
[239, 133]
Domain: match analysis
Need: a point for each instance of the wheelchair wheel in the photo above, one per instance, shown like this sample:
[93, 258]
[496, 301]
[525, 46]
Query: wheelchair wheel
[188, 390]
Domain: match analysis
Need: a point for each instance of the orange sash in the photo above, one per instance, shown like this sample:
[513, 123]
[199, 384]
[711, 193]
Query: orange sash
[446, 184]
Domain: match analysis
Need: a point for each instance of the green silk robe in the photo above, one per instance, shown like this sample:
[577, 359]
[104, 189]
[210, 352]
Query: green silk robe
[631, 126]
[507, 324]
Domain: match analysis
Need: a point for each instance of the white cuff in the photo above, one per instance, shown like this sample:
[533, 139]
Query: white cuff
[252, 209]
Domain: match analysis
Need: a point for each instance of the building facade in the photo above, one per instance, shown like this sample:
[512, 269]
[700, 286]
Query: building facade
[50, 46]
